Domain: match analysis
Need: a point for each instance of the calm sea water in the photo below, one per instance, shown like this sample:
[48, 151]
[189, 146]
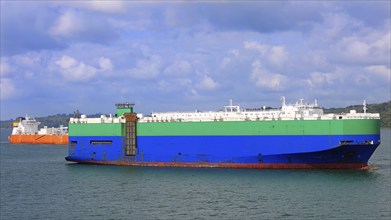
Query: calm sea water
[37, 183]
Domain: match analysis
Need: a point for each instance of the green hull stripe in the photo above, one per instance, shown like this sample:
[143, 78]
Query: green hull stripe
[96, 129]
[221, 128]
[300, 127]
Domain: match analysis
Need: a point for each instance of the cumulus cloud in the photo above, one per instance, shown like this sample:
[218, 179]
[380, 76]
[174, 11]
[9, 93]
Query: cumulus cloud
[335, 24]
[5, 69]
[73, 70]
[179, 68]
[67, 25]
[264, 79]
[276, 55]
[317, 79]
[207, 83]
[24, 27]
[29, 60]
[146, 69]
[107, 6]
[105, 64]
[346, 40]
[66, 62]
[262, 48]
[73, 25]
[250, 47]
[355, 47]
[367, 50]
[233, 54]
[7, 88]
[104, 6]
[188, 86]
[381, 71]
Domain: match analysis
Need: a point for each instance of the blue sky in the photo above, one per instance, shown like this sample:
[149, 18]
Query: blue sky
[60, 56]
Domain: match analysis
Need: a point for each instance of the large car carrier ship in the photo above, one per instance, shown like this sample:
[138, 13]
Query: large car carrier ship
[294, 136]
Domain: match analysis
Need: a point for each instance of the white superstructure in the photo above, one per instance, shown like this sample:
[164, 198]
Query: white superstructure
[298, 111]
[29, 125]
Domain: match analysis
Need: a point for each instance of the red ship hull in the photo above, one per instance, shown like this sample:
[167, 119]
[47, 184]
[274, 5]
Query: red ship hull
[38, 139]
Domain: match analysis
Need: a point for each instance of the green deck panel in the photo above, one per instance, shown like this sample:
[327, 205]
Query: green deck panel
[221, 128]
[96, 129]
[297, 127]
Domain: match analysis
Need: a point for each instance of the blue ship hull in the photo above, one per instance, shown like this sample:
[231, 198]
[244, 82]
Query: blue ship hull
[320, 151]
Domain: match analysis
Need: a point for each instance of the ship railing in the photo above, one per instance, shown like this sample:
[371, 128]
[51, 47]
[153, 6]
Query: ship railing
[96, 120]
[257, 118]
[351, 116]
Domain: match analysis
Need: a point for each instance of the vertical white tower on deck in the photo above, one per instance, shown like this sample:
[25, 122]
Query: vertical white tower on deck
[283, 104]
[364, 107]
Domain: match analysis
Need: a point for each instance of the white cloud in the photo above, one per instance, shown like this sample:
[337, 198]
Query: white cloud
[335, 24]
[368, 48]
[105, 64]
[189, 88]
[381, 71]
[278, 56]
[383, 42]
[314, 58]
[28, 60]
[7, 89]
[66, 62]
[74, 70]
[107, 6]
[80, 26]
[234, 52]
[153, 51]
[146, 68]
[262, 48]
[67, 25]
[232, 55]
[267, 80]
[354, 47]
[317, 79]
[344, 39]
[275, 55]
[5, 69]
[179, 68]
[225, 62]
[207, 83]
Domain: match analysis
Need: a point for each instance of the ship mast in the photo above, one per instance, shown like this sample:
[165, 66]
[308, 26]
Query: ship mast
[364, 107]
[231, 107]
[283, 104]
